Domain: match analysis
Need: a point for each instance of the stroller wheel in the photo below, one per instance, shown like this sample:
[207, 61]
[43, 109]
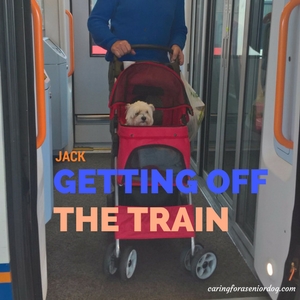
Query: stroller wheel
[127, 263]
[110, 261]
[204, 264]
[185, 256]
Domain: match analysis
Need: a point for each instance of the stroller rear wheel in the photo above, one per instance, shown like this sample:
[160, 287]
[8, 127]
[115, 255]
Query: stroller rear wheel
[203, 264]
[110, 261]
[127, 263]
[186, 258]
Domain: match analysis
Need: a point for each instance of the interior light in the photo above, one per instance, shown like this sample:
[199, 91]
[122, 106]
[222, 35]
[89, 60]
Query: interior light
[270, 269]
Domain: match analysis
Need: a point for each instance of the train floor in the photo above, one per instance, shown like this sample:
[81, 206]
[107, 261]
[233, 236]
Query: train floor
[75, 258]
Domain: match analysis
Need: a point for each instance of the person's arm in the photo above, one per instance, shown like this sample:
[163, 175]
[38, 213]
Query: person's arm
[178, 32]
[98, 27]
[98, 23]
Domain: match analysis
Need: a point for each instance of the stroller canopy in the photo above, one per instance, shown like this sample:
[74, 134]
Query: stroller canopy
[148, 80]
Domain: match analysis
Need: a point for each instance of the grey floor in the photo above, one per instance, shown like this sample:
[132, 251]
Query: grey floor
[75, 258]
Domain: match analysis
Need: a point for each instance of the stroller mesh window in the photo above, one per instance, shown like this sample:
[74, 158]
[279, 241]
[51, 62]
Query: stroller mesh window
[157, 157]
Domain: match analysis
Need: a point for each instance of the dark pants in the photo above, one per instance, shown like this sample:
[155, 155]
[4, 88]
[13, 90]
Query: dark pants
[111, 78]
[114, 69]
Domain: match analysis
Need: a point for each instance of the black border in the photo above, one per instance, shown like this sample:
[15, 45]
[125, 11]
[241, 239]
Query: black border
[17, 81]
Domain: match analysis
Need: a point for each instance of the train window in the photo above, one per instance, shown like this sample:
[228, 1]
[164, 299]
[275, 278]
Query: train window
[95, 50]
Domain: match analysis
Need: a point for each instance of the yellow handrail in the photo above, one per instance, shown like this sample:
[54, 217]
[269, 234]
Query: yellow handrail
[280, 80]
[71, 34]
[39, 72]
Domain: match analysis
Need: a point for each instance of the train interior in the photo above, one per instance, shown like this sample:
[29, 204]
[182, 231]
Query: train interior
[233, 62]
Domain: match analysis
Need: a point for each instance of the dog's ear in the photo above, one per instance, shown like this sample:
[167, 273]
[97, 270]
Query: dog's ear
[129, 111]
[152, 107]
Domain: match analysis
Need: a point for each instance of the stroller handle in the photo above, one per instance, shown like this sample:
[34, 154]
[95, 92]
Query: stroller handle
[152, 47]
[175, 65]
[158, 47]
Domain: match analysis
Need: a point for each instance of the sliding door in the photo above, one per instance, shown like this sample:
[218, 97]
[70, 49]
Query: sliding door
[234, 97]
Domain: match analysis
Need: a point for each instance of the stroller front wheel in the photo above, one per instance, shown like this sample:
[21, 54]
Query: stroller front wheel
[203, 264]
[127, 263]
[110, 261]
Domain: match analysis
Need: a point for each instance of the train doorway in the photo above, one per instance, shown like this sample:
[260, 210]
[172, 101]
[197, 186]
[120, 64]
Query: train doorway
[90, 83]
[233, 90]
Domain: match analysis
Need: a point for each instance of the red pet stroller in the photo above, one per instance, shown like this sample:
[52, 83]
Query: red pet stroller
[163, 146]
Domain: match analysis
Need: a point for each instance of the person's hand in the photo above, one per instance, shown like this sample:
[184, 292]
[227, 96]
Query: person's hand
[177, 52]
[121, 48]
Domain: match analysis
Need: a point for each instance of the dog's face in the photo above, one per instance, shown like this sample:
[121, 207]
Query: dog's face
[139, 114]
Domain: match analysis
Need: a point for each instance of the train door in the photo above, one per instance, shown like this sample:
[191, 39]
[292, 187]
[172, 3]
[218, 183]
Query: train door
[90, 83]
[277, 244]
[233, 90]
[24, 267]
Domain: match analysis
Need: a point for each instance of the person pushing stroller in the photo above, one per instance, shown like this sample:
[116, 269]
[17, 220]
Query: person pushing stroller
[160, 147]
[160, 23]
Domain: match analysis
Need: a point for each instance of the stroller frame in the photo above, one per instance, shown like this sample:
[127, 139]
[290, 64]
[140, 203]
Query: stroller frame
[201, 263]
[117, 204]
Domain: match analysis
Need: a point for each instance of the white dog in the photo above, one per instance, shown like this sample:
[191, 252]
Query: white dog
[139, 113]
